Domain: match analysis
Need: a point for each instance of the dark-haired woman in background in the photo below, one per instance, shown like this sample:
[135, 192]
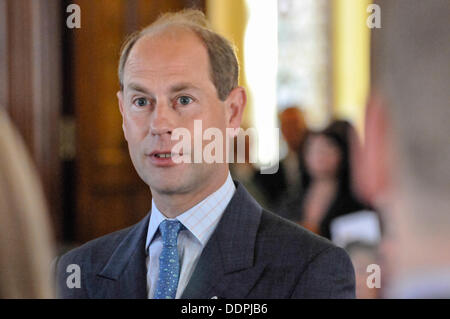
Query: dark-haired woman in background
[326, 191]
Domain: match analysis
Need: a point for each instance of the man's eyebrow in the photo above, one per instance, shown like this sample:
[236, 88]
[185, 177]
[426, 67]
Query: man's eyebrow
[173, 89]
[182, 86]
[138, 88]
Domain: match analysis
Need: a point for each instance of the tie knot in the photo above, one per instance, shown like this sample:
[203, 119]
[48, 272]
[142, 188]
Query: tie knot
[169, 231]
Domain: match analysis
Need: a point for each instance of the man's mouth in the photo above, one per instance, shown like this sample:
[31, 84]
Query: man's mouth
[164, 158]
[163, 155]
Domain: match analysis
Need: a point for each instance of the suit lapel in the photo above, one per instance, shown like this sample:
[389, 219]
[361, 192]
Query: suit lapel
[124, 275]
[226, 267]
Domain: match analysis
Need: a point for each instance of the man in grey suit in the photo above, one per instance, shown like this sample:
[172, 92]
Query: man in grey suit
[205, 235]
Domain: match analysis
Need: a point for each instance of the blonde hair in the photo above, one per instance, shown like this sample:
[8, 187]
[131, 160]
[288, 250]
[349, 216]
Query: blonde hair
[224, 67]
[26, 249]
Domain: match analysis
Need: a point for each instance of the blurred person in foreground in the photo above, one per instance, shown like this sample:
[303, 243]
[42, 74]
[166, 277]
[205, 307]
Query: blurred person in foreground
[326, 191]
[205, 235]
[282, 185]
[406, 171]
[26, 247]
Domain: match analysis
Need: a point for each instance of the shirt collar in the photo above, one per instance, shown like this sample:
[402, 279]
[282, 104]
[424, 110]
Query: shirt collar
[201, 219]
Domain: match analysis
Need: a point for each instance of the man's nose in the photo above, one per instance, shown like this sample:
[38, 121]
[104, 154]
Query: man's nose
[162, 119]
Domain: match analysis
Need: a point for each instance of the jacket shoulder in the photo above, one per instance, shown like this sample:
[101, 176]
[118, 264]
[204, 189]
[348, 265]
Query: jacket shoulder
[89, 258]
[96, 250]
[304, 260]
[291, 236]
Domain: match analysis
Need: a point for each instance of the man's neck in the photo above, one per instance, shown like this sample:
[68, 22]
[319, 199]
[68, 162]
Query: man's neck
[174, 205]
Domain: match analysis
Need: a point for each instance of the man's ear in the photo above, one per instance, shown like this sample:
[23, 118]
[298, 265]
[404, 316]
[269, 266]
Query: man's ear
[235, 105]
[375, 169]
[120, 100]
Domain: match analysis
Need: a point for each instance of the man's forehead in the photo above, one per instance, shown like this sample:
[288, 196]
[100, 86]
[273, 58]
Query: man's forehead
[172, 42]
[168, 55]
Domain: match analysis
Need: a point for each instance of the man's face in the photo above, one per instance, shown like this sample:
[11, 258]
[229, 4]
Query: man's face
[167, 85]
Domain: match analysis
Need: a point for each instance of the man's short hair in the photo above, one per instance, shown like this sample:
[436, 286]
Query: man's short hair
[223, 63]
[410, 69]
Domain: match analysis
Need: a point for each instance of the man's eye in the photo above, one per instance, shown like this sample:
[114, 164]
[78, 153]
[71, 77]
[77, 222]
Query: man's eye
[140, 102]
[184, 100]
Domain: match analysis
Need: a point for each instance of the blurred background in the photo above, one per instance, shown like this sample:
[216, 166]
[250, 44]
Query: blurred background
[305, 64]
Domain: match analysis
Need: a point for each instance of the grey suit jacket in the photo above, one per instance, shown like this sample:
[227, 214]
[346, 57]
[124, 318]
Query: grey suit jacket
[251, 254]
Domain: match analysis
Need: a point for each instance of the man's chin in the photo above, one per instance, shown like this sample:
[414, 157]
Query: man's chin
[168, 188]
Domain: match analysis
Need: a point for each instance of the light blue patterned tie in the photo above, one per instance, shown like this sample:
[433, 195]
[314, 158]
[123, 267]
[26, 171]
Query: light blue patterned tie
[169, 263]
